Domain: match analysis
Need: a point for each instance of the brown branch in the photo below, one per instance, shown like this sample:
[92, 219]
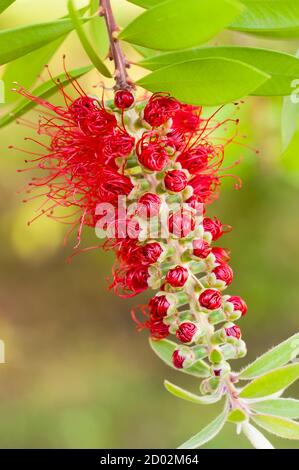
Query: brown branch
[116, 54]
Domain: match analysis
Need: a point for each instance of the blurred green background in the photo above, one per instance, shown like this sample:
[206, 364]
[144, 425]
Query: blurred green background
[77, 374]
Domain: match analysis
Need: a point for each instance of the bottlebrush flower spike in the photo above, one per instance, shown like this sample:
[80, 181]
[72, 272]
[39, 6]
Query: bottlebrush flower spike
[144, 172]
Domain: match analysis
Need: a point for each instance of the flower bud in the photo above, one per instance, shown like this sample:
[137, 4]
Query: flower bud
[153, 156]
[159, 109]
[201, 248]
[238, 303]
[159, 306]
[177, 277]
[224, 273]
[183, 358]
[186, 332]
[149, 205]
[181, 223]
[215, 227]
[151, 252]
[195, 160]
[158, 329]
[210, 299]
[123, 99]
[221, 255]
[175, 180]
[232, 330]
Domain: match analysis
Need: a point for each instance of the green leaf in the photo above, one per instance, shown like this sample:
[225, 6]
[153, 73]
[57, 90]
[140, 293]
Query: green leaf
[206, 81]
[276, 357]
[188, 396]
[165, 348]
[146, 3]
[283, 68]
[256, 438]
[279, 426]
[208, 433]
[283, 407]
[33, 63]
[43, 91]
[17, 42]
[277, 19]
[237, 416]
[98, 30]
[272, 382]
[175, 24]
[289, 119]
[93, 56]
[5, 4]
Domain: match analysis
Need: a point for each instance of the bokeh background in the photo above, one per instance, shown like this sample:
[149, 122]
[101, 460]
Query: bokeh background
[77, 374]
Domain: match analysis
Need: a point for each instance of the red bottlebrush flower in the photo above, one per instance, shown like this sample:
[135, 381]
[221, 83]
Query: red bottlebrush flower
[224, 273]
[215, 227]
[181, 223]
[238, 303]
[112, 185]
[152, 156]
[130, 281]
[233, 331]
[186, 332]
[119, 144]
[195, 160]
[123, 99]
[210, 299]
[158, 329]
[221, 255]
[204, 187]
[94, 121]
[187, 119]
[159, 109]
[159, 306]
[177, 277]
[201, 248]
[176, 140]
[175, 180]
[151, 252]
[149, 205]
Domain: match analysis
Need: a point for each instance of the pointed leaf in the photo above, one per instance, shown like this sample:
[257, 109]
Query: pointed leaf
[5, 4]
[279, 426]
[256, 438]
[165, 348]
[43, 91]
[17, 42]
[93, 56]
[175, 24]
[272, 382]
[206, 434]
[283, 407]
[277, 19]
[276, 357]
[283, 68]
[206, 81]
[188, 396]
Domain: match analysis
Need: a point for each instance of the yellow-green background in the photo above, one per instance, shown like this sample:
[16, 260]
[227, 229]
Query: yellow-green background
[77, 373]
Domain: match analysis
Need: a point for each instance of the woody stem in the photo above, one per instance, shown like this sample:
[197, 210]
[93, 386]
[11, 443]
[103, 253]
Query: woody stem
[122, 81]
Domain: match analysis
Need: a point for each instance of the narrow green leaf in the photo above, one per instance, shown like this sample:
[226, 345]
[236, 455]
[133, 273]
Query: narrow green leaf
[98, 30]
[208, 433]
[282, 68]
[175, 24]
[93, 56]
[272, 382]
[165, 348]
[33, 63]
[257, 439]
[188, 396]
[289, 119]
[283, 407]
[276, 357]
[206, 81]
[5, 4]
[277, 19]
[43, 91]
[146, 3]
[17, 42]
[279, 426]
